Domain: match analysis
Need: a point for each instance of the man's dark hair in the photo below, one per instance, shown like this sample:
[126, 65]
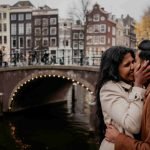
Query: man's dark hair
[144, 46]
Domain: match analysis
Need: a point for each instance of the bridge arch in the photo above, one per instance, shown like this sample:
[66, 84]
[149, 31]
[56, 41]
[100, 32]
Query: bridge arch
[51, 74]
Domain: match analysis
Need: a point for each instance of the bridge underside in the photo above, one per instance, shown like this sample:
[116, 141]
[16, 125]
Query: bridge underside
[41, 91]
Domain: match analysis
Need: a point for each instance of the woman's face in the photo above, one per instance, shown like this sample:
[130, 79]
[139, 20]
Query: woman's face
[126, 68]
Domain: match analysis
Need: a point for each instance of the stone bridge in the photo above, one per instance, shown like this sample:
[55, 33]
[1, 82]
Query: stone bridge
[23, 82]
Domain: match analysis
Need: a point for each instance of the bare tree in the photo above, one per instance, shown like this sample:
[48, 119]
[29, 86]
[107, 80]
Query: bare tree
[79, 11]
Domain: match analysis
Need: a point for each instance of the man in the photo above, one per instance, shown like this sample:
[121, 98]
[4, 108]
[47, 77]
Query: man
[122, 141]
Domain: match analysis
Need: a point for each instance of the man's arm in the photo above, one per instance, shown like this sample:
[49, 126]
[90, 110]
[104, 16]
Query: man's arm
[124, 142]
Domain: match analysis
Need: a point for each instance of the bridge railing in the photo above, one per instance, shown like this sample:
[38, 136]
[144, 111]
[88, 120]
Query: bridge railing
[18, 59]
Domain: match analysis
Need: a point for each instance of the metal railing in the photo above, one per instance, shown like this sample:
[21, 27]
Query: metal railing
[19, 59]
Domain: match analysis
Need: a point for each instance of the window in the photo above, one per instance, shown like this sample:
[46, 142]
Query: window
[75, 35]
[45, 31]
[37, 31]
[13, 17]
[21, 42]
[113, 31]
[96, 28]
[75, 45]
[96, 40]
[102, 39]
[89, 40]
[81, 35]
[103, 28]
[5, 27]
[28, 28]
[28, 42]
[108, 29]
[103, 18]
[45, 41]
[13, 42]
[37, 22]
[65, 43]
[28, 16]
[52, 41]
[5, 39]
[81, 44]
[75, 53]
[96, 17]
[90, 29]
[21, 28]
[13, 29]
[21, 17]
[37, 42]
[53, 21]
[4, 15]
[53, 30]
[45, 21]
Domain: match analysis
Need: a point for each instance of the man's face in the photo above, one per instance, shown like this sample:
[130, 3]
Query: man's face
[137, 59]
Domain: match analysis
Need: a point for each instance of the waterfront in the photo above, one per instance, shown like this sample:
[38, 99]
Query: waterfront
[48, 127]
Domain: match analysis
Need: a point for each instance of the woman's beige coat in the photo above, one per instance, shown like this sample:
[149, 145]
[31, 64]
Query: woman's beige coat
[122, 107]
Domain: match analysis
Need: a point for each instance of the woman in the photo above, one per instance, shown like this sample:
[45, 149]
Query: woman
[122, 141]
[118, 101]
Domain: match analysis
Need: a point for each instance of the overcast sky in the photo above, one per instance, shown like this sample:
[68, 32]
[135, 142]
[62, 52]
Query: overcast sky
[134, 8]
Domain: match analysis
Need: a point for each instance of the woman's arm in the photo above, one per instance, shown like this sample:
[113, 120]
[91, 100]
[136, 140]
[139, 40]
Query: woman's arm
[126, 112]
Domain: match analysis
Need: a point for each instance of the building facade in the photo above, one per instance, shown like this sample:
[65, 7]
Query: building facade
[65, 42]
[4, 33]
[100, 32]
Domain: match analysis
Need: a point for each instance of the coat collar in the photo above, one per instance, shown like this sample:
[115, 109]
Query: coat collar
[126, 86]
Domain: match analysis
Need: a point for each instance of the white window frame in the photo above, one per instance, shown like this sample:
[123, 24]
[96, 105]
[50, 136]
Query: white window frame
[21, 37]
[102, 39]
[53, 31]
[13, 38]
[21, 28]
[53, 21]
[13, 17]
[103, 28]
[21, 17]
[28, 38]
[28, 28]
[13, 29]
[55, 44]
[96, 17]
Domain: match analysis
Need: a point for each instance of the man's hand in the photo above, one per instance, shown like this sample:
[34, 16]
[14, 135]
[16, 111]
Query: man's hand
[111, 133]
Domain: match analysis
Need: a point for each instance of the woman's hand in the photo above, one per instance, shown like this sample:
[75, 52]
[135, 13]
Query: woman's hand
[111, 133]
[141, 74]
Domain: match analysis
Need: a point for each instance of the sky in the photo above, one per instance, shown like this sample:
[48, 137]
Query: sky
[134, 8]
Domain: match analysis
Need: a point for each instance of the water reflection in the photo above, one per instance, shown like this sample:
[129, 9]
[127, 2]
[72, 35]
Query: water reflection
[45, 128]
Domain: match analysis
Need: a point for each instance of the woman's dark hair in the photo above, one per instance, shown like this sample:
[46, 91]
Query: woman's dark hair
[110, 61]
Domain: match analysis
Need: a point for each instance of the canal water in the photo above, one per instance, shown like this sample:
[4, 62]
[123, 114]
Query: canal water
[47, 127]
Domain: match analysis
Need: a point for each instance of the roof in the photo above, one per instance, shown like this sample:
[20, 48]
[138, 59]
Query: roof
[23, 3]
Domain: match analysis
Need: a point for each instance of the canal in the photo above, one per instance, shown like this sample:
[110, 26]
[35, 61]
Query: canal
[47, 127]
